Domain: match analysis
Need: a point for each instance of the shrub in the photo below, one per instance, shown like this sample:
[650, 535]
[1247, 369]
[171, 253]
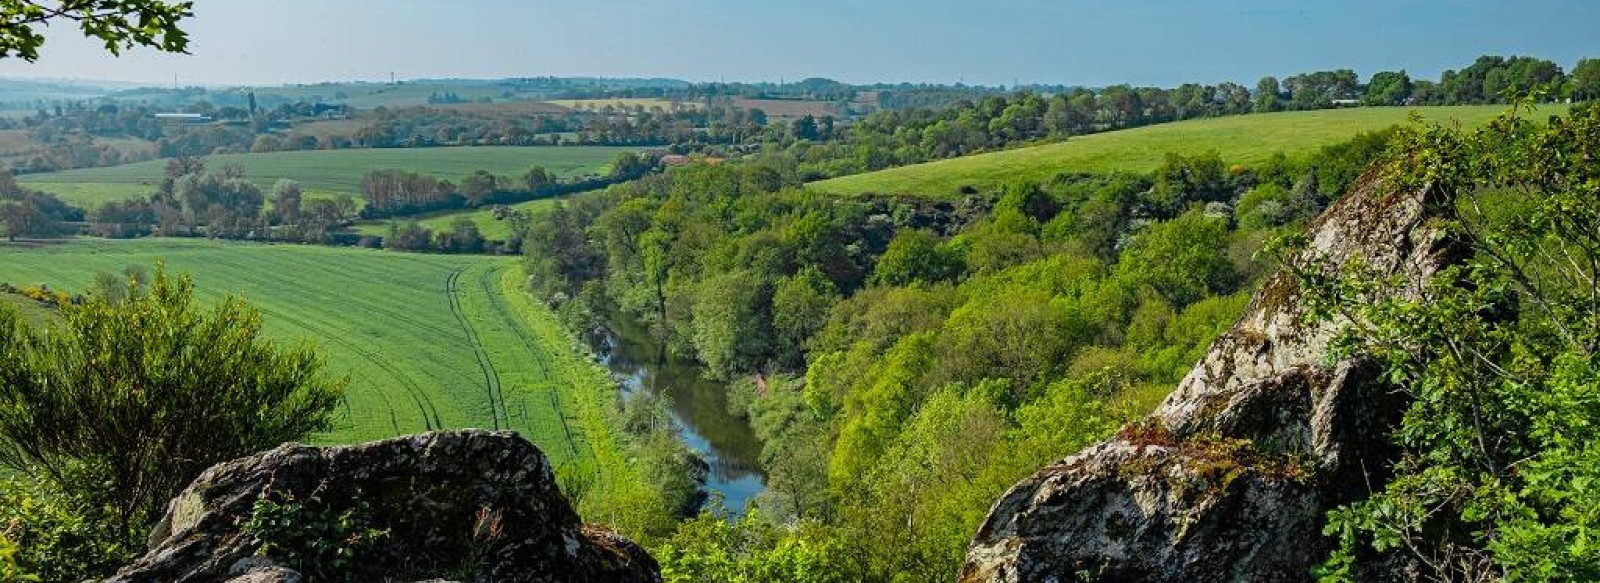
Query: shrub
[122, 404]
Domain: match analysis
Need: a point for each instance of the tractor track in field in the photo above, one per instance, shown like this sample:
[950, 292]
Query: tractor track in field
[491, 377]
[338, 299]
[424, 404]
[506, 313]
[486, 280]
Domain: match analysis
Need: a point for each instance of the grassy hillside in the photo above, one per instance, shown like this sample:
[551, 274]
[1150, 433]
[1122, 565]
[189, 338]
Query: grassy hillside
[329, 171]
[428, 341]
[1246, 139]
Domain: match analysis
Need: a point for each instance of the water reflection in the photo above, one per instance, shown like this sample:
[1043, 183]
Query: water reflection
[699, 407]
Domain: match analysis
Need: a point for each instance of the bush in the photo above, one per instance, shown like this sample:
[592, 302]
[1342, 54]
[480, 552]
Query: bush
[45, 536]
[122, 404]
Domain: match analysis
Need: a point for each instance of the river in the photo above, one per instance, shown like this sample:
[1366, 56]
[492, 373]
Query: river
[699, 408]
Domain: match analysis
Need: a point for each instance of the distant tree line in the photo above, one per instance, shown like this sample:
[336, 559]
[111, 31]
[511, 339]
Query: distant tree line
[193, 200]
[69, 135]
[31, 213]
[607, 125]
[392, 193]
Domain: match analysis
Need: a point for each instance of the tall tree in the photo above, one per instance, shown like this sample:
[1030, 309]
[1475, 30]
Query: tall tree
[1267, 94]
[1586, 80]
[1388, 88]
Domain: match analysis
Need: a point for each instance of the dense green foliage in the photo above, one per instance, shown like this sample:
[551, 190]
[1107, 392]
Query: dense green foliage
[1498, 355]
[126, 402]
[54, 535]
[904, 361]
[319, 538]
[119, 24]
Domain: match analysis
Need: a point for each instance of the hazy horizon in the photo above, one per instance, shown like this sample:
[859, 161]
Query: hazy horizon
[1080, 42]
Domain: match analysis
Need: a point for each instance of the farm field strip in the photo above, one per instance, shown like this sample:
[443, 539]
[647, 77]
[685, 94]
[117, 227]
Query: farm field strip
[330, 171]
[491, 228]
[428, 341]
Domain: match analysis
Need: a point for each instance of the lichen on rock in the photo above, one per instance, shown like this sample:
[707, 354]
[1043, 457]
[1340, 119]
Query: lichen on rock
[460, 505]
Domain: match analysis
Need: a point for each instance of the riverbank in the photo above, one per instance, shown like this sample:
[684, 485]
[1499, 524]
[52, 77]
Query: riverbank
[698, 406]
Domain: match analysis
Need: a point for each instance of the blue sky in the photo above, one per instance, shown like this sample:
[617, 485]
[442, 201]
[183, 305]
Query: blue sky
[1076, 42]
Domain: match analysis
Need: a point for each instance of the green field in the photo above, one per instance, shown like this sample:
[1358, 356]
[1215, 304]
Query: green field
[428, 341]
[330, 171]
[623, 102]
[1246, 139]
[492, 229]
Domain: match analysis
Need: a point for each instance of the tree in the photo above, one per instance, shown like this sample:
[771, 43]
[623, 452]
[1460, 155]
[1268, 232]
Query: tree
[729, 332]
[180, 166]
[127, 402]
[799, 309]
[537, 178]
[119, 24]
[1267, 94]
[1388, 88]
[286, 198]
[629, 165]
[1182, 259]
[1498, 355]
[464, 236]
[915, 255]
[804, 128]
[478, 186]
[1586, 80]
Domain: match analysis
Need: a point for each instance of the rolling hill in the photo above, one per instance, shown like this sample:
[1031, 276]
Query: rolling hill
[1246, 139]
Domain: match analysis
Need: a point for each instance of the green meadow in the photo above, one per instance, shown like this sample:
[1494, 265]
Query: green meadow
[329, 172]
[1244, 139]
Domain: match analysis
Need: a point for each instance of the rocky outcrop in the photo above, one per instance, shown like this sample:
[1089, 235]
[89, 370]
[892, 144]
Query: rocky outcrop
[460, 505]
[1229, 479]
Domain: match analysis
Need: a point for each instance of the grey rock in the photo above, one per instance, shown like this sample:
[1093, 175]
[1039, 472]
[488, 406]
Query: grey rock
[1230, 478]
[428, 491]
[268, 574]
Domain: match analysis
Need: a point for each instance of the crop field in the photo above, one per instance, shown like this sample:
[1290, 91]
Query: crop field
[788, 108]
[333, 171]
[367, 95]
[1246, 139]
[427, 341]
[491, 228]
[645, 102]
[506, 108]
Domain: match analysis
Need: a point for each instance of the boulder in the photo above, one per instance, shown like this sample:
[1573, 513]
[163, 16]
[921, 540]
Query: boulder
[1230, 478]
[453, 505]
